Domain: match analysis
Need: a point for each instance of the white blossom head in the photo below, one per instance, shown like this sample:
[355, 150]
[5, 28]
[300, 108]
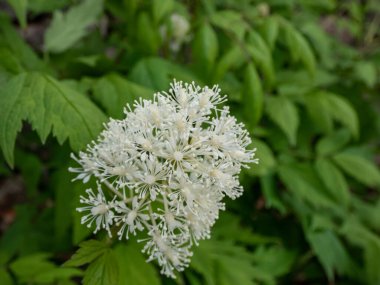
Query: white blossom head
[167, 166]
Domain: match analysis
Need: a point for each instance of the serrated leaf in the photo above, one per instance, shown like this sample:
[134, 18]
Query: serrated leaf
[332, 143]
[343, 112]
[67, 29]
[88, 251]
[9, 61]
[358, 167]
[330, 252]
[205, 48]
[333, 180]
[19, 6]
[103, 271]
[253, 95]
[134, 269]
[284, 113]
[50, 107]
[113, 92]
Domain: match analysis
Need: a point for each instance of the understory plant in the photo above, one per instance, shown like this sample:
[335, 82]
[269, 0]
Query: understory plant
[103, 124]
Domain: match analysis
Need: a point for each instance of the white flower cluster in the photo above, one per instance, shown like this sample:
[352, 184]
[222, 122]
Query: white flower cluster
[167, 165]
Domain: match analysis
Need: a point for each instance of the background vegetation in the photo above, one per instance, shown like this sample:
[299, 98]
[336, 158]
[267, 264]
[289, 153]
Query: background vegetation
[304, 77]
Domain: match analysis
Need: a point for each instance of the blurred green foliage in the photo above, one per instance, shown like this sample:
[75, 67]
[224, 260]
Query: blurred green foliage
[304, 77]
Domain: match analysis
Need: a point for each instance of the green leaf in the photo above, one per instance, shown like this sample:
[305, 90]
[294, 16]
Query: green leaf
[26, 268]
[31, 169]
[45, 6]
[332, 143]
[88, 251]
[37, 268]
[231, 59]
[205, 48]
[19, 6]
[343, 112]
[161, 8]
[147, 35]
[303, 182]
[253, 95]
[359, 168]
[366, 72]
[50, 107]
[317, 106]
[67, 29]
[369, 213]
[22, 53]
[299, 48]
[284, 113]
[134, 269]
[223, 263]
[261, 55]
[267, 161]
[330, 252]
[230, 21]
[334, 181]
[103, 271]
[113, 92]
[274, 260]
[229, 227]
[5, 277]
[157, 74]
[270, 30]
[272, 193]
[9, 61]
[57, 274]
[369, 241]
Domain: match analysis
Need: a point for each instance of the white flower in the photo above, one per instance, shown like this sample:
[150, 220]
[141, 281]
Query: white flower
[131, 218]
[170, 163]
[99, 210]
